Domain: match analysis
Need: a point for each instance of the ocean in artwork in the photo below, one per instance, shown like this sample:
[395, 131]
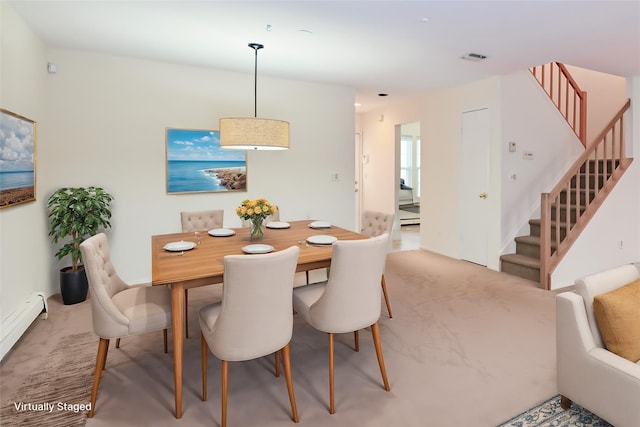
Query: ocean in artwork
[185, 176]
[16, 179]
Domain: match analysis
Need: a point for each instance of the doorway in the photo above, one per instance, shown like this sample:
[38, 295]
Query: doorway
[474, 184]
[408, 174]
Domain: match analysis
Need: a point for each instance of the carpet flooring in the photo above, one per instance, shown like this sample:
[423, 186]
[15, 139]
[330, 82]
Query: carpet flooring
[550, 414]
[57, 393]
[467, 347]
[410, 208]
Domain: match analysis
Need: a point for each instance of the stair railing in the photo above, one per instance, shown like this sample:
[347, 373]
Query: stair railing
[587, 182]
[565, 93]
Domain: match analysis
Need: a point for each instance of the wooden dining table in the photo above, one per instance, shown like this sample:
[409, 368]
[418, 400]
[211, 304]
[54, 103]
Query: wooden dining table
[203, 265]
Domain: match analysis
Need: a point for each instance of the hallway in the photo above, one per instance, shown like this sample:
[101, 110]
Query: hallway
[409, 240]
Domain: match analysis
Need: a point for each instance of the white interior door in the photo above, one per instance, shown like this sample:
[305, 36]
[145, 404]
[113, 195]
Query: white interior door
[474, 208]
[358, 181]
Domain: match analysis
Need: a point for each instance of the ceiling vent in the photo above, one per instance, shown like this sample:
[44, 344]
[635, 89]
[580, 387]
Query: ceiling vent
[476, 57]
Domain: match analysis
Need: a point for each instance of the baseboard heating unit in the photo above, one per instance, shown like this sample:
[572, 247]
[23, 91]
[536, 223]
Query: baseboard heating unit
[16, 324]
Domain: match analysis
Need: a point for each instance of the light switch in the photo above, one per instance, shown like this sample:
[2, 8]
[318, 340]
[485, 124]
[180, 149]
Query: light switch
[335, 176]
[527, 155]
[512, 146]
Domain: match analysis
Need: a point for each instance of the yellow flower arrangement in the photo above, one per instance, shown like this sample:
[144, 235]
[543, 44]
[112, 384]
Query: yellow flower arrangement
[256, 211]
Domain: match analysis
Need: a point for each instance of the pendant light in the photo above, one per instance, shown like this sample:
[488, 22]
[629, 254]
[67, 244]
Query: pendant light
[252, 133]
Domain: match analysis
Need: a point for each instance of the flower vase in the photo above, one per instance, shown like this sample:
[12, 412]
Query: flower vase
[257, 229]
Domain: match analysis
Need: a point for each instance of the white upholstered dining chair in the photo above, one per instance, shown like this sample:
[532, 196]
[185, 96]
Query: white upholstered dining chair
[117, 309]
[374, 224]
[349, 300]
[201, 220]
[254, 318]
[198, 221]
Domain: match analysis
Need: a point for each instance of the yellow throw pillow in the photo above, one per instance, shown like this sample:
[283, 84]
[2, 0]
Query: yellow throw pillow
[618, 315]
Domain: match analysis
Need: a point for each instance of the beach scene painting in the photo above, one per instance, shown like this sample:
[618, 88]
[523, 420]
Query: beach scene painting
[17, 159]
[196, 163]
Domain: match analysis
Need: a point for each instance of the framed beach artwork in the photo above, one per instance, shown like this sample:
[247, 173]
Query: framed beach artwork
[196, 163]
[17, 159]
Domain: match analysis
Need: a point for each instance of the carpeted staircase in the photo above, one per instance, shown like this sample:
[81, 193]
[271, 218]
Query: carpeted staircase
[567, 208]
[525, 262]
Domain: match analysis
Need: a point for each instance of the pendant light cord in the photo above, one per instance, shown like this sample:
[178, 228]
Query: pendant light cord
[255, 47]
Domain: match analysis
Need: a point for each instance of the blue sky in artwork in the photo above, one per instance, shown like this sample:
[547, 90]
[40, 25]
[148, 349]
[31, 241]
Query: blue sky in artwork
[198, 145]
[16, 144]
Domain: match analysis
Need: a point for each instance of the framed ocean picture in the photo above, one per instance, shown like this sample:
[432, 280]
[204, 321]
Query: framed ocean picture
[18, 160]
[196, 163]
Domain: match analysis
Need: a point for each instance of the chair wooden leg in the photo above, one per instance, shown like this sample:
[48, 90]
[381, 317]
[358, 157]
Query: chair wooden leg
[225, 384]
[117, 342]
[186, 313]
[356, 341]
[565, 402]
[286, 359]
[204, 351]
[386, 296]
[101, 358]
[332, 408]
[278, 363]
[164, 337]
[375, 331]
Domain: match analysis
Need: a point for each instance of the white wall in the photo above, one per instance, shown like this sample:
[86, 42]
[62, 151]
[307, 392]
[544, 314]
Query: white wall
[102, 122]
[606, 94]
[108, 118]
[378, 129]
[531, 121]
[24, 252]
[441, 123]
[439, 114]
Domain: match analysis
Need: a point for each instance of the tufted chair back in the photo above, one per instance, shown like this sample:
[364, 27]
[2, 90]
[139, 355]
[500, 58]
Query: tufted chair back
[201, 220]
[376, 223]
[117, 309]
[104, 283]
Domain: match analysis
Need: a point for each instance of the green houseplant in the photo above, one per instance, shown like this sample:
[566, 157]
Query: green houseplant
[75, 214]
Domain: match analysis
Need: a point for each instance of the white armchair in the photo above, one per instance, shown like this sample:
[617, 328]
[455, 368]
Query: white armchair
[595, 378]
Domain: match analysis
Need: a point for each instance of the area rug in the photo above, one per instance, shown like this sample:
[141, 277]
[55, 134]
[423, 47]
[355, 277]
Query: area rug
[550, 414]
[58, 392]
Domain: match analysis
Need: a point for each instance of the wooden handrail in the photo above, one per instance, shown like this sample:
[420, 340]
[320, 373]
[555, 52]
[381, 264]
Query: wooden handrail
[601, 165]
[574, 107]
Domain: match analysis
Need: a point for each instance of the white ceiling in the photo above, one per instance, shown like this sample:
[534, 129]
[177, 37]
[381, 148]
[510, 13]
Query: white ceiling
[395, 47]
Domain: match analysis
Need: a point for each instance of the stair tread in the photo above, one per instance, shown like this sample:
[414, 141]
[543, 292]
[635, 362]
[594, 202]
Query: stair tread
[521, 260]
[538, 221]
[583, 205]
[532, 240]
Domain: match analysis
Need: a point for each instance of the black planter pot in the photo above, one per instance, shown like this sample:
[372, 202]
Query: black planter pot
[73, 285]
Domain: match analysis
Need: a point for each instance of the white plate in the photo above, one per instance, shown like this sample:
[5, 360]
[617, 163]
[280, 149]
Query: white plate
[278, 224]
[179, 246]
[221, 232]
[322, 239]
[319, 224]
[257, 249]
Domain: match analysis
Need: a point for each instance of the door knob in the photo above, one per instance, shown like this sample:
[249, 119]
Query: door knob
[483, 195]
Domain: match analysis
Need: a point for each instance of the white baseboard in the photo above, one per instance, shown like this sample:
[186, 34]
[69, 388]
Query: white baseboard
[15, 325]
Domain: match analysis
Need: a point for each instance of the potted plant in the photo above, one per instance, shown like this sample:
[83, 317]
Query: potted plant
[74, 215]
